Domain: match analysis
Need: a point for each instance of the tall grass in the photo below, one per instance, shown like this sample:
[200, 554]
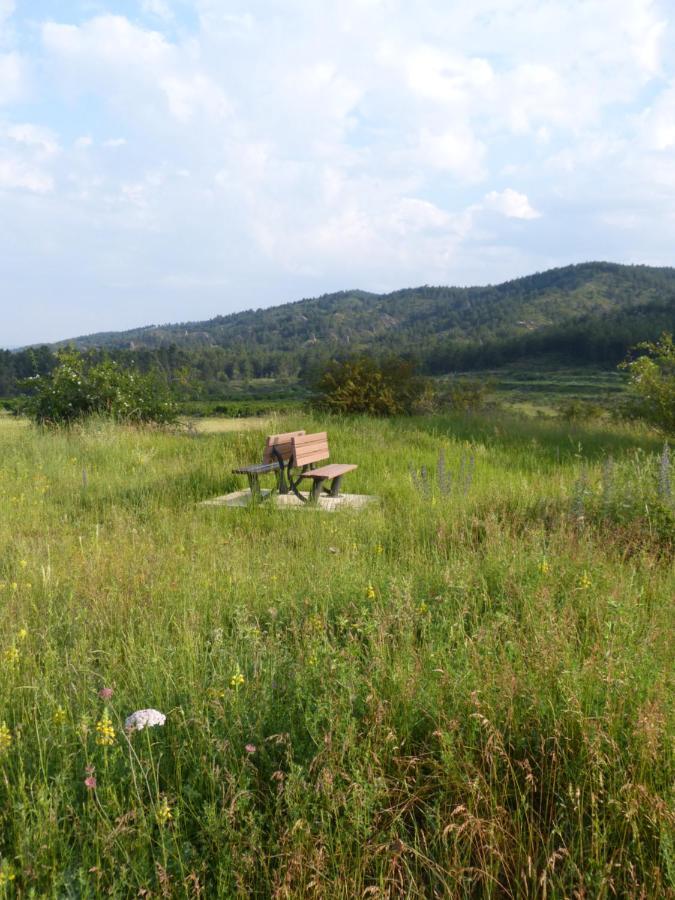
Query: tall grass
[460, 693]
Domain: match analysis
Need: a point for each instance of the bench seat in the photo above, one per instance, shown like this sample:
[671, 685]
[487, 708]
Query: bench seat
[334, 470]
[257, 469]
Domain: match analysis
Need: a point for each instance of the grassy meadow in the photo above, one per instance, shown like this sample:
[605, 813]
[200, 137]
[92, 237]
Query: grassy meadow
[464, 690]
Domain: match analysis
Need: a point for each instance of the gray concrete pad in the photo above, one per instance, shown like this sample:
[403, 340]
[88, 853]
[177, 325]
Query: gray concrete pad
[290, 501]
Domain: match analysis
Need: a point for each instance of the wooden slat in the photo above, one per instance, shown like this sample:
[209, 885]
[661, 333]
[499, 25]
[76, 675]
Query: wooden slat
[334, 470]
[310, 448]
[283, 443]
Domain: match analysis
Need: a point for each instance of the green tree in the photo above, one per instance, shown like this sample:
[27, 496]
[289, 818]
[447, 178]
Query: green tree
[76, 389]
[362, 385]
[652, 383]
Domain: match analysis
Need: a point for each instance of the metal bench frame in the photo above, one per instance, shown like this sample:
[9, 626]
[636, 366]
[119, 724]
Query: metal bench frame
[277, 447]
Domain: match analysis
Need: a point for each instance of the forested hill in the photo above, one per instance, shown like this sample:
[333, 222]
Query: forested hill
[583, 314]
[425, 319]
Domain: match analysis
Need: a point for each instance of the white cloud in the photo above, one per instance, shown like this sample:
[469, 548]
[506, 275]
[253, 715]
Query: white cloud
[511, 204]
[36, 136]
[17, 175]
[131, 65]
[457, 151]
[158, 8]
[12, 78]
[657, 124]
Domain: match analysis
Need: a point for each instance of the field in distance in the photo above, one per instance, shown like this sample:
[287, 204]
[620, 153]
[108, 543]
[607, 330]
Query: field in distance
[464, 690]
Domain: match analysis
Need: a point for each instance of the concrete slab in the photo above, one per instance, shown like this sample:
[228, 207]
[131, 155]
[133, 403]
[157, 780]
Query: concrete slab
[290, 501]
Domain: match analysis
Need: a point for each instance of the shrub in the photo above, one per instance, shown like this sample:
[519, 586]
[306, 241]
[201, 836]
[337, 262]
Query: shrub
[76, 389]
[362, 385]
[464, 394]
[652, 383]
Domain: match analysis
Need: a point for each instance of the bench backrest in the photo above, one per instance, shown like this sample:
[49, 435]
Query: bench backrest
[309, 448]
[283, 445]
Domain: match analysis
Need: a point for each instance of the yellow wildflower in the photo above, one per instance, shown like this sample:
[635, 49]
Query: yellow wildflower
[423, 609]
[216, 693]
[22, 634]
[11, 656]
[370, 592]
[164, 813]
[585, 581]
[237, 680]
[379, 548]
[105, 733]
[544, 567]
[5, 737]
[23, 563]
[6, 875]
[14, 585]
[59, 716]
[312, 660]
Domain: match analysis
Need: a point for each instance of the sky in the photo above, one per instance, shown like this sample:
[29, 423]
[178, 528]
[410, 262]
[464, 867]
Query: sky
[172, 160]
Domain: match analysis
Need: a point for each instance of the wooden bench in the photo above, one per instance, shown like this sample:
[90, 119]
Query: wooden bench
[306, 451]
[276, 455]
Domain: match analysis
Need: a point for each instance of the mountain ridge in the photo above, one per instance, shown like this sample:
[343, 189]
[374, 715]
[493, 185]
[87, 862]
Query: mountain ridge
[526, 304]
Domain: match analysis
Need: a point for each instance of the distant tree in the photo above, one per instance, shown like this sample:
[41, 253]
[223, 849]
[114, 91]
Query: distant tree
[362, 385]
[652, 383]
[77, 389]
[464, 394]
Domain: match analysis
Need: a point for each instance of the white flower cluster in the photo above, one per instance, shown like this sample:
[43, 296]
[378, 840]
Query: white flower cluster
[144, 718]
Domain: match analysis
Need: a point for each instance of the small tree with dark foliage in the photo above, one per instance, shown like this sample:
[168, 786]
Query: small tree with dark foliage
[363, 385]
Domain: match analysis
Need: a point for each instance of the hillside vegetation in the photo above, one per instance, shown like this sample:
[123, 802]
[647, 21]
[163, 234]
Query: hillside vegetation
[464, 690]
[587, 314]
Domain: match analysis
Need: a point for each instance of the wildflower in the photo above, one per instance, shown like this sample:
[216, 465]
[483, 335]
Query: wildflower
[216, 693]
[23, 563]
[105, 733]
[14, 585]
[90, 782]
[164, 813]
[423, 609]
[250, 748]
[237, 680]
[312, 660]
[59, 716]
[5, 737]
[11, 656]
[106, 693]
[7, 875]
[370, 592]
[144, 718]
[379, 548]
[585, 581]
[22, 634]
[544, 567]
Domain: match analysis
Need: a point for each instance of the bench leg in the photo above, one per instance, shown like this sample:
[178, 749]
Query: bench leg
[282, 487]
[254, 486]
[316, 489]
[335, 486]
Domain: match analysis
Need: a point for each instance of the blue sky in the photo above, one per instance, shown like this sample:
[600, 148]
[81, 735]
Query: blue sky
[171, 160]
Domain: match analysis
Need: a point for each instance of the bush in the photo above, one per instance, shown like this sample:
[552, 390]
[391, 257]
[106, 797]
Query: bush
[576, 410]
[464, 395]
[652, 383]
[75, 390]
[361, 385]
